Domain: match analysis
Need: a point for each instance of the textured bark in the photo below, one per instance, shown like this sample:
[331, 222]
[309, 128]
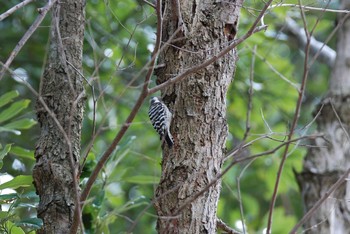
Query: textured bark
[199, 112]
[324, 165]
[62, 91]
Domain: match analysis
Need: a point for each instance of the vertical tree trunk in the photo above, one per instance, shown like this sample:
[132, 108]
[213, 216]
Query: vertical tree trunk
[326, 163]
[62, 91]
[199, 112]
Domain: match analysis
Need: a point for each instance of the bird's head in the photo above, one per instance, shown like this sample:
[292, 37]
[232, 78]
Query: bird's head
[154, 100]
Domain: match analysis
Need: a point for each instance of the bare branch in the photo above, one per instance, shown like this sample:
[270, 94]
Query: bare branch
[42, 13]
[223, 226]
[326, 54]
[253, 29]
[339, 121]
[302, 7]
[330, 36]
[65, 135]
[250, 96]
[14, 8]
[149, 3]
[238, 160]
[325, 196]
[239, 196]
[309, 8]
[131, 116]
[294, 123]
[206, 63]
[145, 92]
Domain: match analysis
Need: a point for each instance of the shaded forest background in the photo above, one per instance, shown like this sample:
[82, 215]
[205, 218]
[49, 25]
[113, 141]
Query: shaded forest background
[119, 38]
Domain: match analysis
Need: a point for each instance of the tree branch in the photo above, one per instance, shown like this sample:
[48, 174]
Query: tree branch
[294, 123]
[14, 8]
[238, 159]
[223, 226]
[130, 118]
[206, 63]
[325, 196]
[326, 54]
[145, 92]
[42, 13]
[309, 8]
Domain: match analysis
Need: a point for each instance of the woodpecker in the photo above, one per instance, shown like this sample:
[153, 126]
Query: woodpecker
[160, 117]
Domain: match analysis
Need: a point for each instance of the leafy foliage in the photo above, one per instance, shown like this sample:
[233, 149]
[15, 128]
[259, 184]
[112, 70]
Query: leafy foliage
[17, 194]
[118, 40]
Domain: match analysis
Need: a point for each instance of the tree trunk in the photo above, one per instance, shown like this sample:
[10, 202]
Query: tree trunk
[199, 112]
[58, 148]
[326, 163]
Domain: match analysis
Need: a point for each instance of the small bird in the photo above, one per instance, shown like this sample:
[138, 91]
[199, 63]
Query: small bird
[160, 117]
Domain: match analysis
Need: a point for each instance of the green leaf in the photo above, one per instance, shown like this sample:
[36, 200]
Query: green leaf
[20, 124]
[18, 181]
[13, 110]
[3, 214]
[6, 198]
[13, 229]
[143, 179]
[8, 97]
[3, 153]
[10, 130]
[23, 153]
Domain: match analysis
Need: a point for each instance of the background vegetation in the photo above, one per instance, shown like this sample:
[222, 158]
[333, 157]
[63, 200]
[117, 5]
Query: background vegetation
[118, 40]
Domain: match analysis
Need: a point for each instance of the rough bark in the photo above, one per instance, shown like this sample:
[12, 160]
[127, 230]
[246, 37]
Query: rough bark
[62, 91]
[325, 164]
[199, 112]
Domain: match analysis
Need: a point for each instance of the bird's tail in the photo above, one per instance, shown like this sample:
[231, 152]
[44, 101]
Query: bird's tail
[169, 139]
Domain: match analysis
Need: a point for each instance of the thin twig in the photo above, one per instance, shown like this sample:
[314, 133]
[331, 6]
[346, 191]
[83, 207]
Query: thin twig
[73, 165]
[319, 18]
[242, 146]
[77, 219]
[309, 8]
[14, 8]
[42, 13]
[132, 114]
[223, 226]
[93, 119]
[307, 126]
[250, 96]
[246, 133]
[279, 74]
[325, 196]
[65, 135]
[324, 53]
[61, 49]
[102, 91]
[265, 121]
[93, 97]
[149, 3]
[238, 180]
[339, 120]
[41, 100]
[334, 187]
[330, 36]
[134, 223]
[145, 92]
[300, 6]
[253, 29]
[239, 159]
[293, 126]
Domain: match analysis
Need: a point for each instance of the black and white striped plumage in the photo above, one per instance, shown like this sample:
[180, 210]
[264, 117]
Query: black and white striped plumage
[160, 117]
